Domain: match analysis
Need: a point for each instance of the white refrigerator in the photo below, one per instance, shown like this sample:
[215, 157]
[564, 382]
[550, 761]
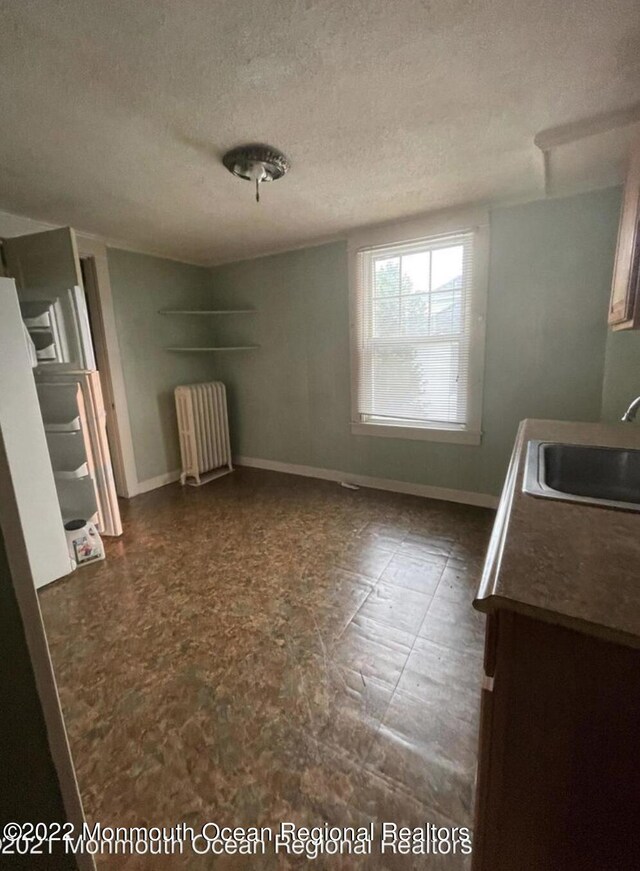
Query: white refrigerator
[46, 340]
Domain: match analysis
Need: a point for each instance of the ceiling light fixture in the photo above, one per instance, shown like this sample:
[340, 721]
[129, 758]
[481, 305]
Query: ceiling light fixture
[258, 163]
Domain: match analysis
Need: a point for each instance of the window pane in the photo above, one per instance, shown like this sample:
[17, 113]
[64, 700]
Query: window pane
[414, 342]
[446, 312]
[419, 382]
[397, 382]
[415, 272]
[386, 281]
[415, 315]
[446, 269]
[438, 366]
[386, 318]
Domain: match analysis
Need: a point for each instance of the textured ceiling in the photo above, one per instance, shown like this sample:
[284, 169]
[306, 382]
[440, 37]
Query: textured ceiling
[114, 115]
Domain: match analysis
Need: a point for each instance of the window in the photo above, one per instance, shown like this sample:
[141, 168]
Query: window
[418, 333]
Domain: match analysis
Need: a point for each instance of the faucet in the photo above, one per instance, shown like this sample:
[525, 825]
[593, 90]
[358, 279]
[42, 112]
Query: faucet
[630, 413]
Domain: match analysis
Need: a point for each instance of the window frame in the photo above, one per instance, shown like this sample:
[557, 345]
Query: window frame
[410, 232]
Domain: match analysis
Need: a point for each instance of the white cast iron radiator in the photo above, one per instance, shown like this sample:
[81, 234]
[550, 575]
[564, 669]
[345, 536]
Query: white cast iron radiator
[204, 432]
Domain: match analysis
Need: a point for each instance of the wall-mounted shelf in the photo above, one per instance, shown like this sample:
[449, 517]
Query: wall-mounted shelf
[209, 312]
[190, 311]
[206, 350]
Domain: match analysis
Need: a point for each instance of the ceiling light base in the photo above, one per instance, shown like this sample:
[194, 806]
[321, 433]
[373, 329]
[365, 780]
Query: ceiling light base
[256, 163]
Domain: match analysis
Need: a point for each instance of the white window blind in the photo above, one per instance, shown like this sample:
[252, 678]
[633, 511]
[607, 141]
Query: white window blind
[413, 324]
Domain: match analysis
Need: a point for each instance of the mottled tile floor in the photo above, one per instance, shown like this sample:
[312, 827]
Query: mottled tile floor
[273, 648]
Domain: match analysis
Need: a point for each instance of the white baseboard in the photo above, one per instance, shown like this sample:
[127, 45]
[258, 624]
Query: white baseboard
[158, 481]
[482, 500]
[447, 494]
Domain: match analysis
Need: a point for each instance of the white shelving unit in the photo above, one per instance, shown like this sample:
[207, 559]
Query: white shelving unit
[68, 455]
[40, 319]
[77, 499]
[72, 425]
[62, 414]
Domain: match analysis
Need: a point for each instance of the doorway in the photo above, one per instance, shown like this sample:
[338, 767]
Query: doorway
[94, 271]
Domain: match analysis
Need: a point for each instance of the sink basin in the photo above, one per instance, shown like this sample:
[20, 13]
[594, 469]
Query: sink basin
[609, 477]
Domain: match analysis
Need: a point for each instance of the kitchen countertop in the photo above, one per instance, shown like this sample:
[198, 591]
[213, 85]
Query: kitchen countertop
[569, 563]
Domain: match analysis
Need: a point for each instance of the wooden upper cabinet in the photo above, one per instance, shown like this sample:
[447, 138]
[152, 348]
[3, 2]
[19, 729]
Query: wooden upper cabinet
[624, 308]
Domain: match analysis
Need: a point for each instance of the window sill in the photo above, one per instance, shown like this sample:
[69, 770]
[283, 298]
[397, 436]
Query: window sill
[428, 434]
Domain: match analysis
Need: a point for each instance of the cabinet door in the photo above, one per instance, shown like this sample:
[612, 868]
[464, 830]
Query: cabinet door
[46, 269]
[43, 259]
[624, 309]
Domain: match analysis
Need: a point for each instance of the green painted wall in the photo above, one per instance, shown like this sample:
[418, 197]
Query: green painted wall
[550, 274]
[622, 373]
[141, 285]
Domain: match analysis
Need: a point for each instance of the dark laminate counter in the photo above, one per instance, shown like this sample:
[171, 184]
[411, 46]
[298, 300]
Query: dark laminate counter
[568, 563]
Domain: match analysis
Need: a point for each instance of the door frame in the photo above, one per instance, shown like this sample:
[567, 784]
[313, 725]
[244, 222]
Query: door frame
[29, 607]
[109, 362]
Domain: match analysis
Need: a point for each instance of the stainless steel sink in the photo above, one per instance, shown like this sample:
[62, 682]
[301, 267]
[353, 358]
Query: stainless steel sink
[609, 477]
